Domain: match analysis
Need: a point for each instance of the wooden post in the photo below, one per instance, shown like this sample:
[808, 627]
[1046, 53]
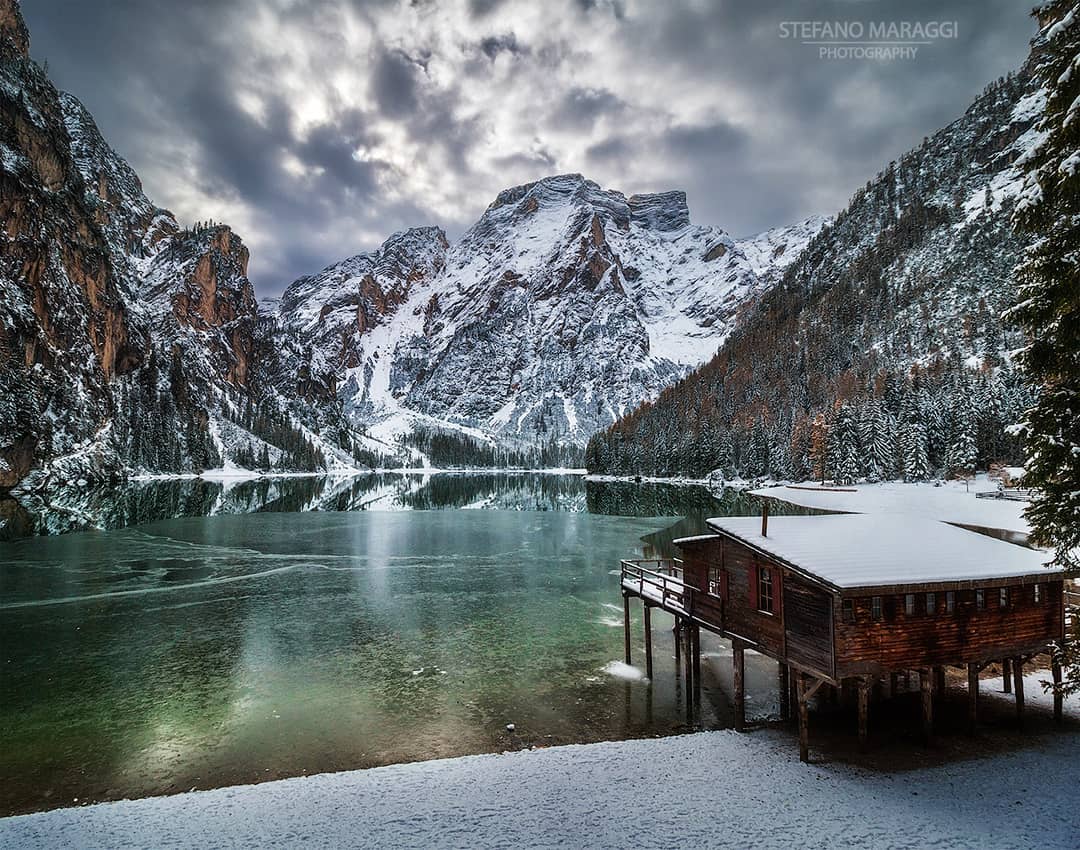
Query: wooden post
[907, 680]
[973, 697]
[939, 681]
[1018, 686]
[785, 691]
[927, 706]
[677, 632]
[1006, 675]
[738, 666]
[804, 718]
[626, 627]
[688, 667]
[696, 637]
[793, 695]
[864, 711]
[894, 683]
[648, 642]
[1055, 666]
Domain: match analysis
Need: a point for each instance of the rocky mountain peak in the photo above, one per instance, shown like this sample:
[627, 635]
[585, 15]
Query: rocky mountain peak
[14, 36]
[663, 211]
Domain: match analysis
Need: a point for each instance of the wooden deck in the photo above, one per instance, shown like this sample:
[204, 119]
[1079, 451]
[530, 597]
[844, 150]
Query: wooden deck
[660, 582]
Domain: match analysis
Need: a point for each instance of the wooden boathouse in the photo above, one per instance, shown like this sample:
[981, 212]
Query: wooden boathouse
[852, 600]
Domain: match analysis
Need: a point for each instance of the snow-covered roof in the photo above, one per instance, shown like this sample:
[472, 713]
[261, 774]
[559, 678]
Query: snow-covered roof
[863, 550]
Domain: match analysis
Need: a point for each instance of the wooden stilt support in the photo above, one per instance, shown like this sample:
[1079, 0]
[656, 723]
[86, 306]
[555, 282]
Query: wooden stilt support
[1018, 686]
[626, 627]
[894, 683]
[785, 691]
[688, 670]
[648, 642]
[907, 680]
[939, 681]
[738, 666]
[1055, 667]
[1006, 675]
[973, 697]
[804, 718]
[864, 711]
[677, 632]
[793, 695]
[927, 706]
[696, 636]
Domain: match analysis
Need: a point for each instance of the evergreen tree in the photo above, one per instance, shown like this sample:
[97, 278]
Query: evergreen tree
[1049, 296]
[1049, 303]
[913, 448]
[843, 449]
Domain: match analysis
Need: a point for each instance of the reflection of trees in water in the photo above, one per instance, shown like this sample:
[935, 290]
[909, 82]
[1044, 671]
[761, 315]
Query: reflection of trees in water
[508, 490]
[141, 502]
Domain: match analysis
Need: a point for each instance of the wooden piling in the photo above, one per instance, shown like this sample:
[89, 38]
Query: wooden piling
[864, 711]
[626, 627]
[1006, 675]
[894, 683]
[696, 637]
[973, 697]
[1018, 686]
[738, 661]
[1055, 667]
[927, 706]
[648, 642]
[804, 717]
[785, 691]
[677, 633]
[939, 681]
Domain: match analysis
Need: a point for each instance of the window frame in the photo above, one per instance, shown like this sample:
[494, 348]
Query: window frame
[931, 603]
[980, 599]
[1004, 597]
[909, 604]
[1037, 594]
[950, 601]
[877, 613]
[847, 611]
[766, 603]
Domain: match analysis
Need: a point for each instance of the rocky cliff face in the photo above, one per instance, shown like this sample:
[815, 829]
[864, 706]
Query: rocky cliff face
[564, 306]
[128, 343]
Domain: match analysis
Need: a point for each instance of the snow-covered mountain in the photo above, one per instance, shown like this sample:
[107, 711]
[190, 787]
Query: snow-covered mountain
[563, 307]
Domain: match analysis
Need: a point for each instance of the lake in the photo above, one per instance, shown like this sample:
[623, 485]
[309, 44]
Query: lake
[217, 634]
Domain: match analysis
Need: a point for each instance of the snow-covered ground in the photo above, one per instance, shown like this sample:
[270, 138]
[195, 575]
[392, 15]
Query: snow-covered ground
[952, 501]
[714, 789]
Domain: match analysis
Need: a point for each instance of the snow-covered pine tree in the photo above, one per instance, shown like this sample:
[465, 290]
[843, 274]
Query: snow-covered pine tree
[878, 439]
[1049, 297]
[916, 461]
[844, 446]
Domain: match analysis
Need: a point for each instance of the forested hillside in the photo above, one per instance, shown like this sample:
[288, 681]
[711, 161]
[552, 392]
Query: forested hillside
[882, 352]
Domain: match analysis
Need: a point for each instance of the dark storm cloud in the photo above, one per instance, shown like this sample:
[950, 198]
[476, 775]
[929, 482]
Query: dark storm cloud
[319, 128]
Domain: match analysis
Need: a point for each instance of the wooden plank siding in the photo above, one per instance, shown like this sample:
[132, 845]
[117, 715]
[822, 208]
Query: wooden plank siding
[807, 630]
[907, 642]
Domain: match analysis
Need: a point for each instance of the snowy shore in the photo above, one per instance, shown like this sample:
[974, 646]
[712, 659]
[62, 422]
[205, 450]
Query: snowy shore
[714, 789]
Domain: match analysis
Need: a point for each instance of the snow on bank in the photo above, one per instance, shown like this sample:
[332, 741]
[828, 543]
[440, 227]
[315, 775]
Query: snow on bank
[950, 502]
[715, 789]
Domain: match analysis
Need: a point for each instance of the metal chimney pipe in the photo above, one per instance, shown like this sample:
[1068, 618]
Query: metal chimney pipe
[764, 517]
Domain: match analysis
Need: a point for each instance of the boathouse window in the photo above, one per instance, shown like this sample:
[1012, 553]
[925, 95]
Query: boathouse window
[1038, 592]
[950, 601]
[1003, 597]
[765, 590]
[875, 607]
[931, 603]
[980, 599]
[909, 604]
[849, 610]
[716, 581]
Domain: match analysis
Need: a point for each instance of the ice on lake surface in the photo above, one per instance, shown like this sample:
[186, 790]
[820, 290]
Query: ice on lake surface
[200, 651]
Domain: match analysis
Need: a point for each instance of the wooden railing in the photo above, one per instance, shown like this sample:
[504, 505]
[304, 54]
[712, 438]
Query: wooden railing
[660, 580]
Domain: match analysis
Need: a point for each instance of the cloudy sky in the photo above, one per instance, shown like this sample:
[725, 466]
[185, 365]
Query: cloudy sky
[318, 128]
